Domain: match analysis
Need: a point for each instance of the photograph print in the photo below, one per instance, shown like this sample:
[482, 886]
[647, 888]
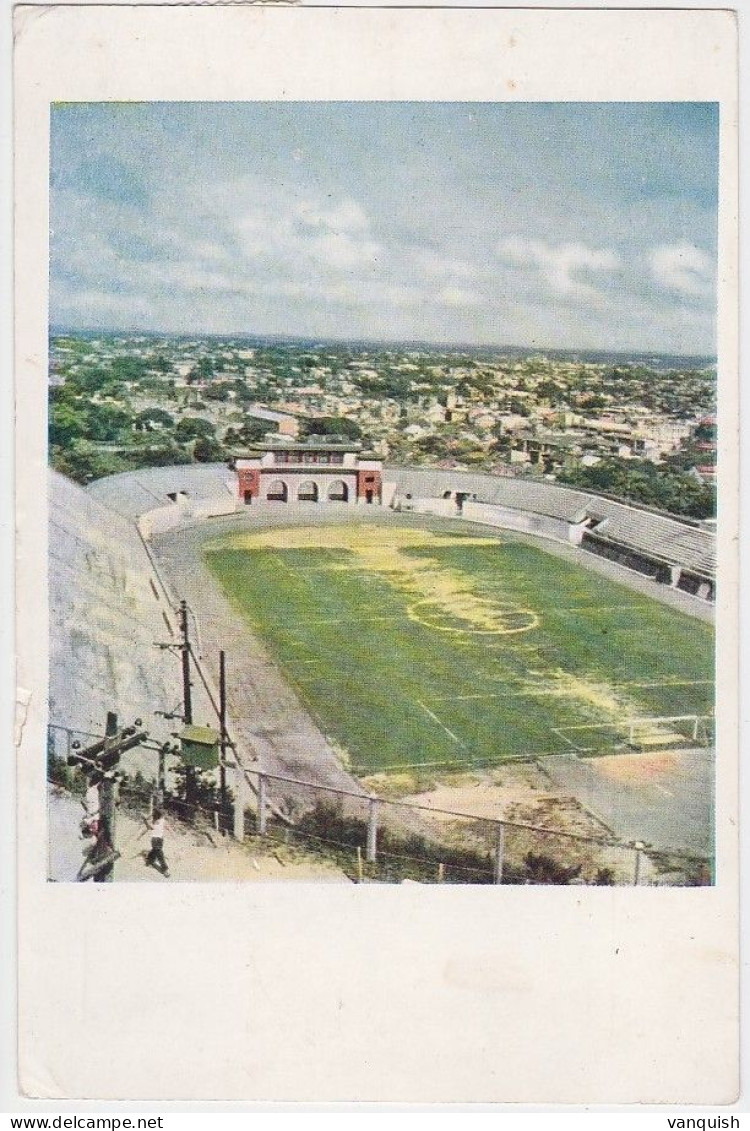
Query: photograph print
[382, 492]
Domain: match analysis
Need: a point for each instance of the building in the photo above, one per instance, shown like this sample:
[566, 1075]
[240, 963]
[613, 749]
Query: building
[286, 423]
[321, 470]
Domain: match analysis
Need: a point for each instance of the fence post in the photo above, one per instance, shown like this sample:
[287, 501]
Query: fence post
[239, 804]
[638, 847]
[695, 729]
[262, 808]
[372, 831]
[499, 853]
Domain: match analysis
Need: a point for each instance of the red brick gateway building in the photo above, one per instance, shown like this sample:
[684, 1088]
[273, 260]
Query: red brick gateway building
[316, 471]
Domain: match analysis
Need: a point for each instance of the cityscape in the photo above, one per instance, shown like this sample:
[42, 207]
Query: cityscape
[640, 428]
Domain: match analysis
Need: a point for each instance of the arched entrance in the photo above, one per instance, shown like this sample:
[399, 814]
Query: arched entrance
[338, 492]
[277, 492]
[307, 492]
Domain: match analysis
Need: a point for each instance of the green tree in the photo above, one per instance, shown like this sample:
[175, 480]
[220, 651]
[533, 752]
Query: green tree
[207, 450]
[106, 422]
[331, 426]
[66, 424]
[194, 428]
[218, 391]
[83, 462]
[250, 432]
[152, 418]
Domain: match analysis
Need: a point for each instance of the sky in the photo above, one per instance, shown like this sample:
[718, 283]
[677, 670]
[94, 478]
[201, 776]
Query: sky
[557, 225]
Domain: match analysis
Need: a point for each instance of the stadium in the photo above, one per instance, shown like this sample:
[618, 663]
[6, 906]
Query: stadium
[430, 675]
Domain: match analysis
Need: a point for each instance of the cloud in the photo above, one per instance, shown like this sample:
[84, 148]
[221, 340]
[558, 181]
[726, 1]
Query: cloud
[374, 220]
[459, 296]
[299, 234]
[561, 264]
[682, 267]
[434, 264]
[346, 215]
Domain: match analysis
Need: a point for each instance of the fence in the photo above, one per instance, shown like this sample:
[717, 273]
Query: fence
[653, 732]
[376, 839]
[381, 839]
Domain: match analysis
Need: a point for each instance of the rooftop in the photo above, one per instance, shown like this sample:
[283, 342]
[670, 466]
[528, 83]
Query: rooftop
[312, 443]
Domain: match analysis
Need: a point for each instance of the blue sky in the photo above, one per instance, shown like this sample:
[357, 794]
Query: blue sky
[563, 225]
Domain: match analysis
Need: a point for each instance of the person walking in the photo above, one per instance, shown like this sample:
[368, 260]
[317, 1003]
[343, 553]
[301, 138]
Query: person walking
[155, 858]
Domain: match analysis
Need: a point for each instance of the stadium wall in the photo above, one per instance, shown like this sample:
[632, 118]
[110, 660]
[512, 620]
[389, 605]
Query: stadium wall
[529, 506]
[107, 609]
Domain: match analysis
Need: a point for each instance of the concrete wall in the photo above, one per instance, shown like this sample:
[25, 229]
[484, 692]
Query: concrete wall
[509, 519]
[444, 507]
[161, 519]
[106, 611]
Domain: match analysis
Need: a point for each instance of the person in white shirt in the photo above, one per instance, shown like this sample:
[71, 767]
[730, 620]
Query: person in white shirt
[155, 858]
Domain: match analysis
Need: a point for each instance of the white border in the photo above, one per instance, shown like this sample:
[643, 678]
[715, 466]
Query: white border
[82, 34]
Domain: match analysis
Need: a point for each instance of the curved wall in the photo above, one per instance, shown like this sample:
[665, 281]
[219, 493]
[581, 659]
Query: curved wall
[210, 489]
[106, 611]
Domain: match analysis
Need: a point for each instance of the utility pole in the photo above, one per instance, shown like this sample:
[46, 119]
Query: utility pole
[223, 736]
[187, 697]
[108, 800]
[100, 760]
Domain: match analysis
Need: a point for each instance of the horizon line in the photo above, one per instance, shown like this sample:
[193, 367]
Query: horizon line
[54, 330]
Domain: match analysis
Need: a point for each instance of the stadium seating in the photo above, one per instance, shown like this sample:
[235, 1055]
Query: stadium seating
[663, 538]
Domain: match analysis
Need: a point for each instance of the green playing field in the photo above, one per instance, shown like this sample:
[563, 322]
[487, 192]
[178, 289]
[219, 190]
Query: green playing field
[419, 648]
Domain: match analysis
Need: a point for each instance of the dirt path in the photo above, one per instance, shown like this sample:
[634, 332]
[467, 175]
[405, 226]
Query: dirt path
[192, 855]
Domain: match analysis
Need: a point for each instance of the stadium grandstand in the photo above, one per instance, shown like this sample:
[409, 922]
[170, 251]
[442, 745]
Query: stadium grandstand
[673, 551]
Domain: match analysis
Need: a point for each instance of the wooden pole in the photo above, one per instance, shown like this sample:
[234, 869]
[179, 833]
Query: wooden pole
[187, 697]
[372, 831]
[499, 853]
[638, 847]
[239, 804]
[262, 808]
[223, 735]
[107, 812]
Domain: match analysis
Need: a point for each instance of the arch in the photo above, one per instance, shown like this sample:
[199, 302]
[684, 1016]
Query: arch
[338, 492]
[307, 492]
[277, 491]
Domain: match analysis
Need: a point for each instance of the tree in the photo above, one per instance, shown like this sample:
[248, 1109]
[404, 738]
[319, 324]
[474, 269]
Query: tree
[66, 424]
[82, 462]
[161, 364]
[152, 418]
[643, 482]
[519, 407]
[194, 428]
[106, 422]
[250, 432]
[331, 426]
[207, 450]
[218, 391]
[129, 368]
